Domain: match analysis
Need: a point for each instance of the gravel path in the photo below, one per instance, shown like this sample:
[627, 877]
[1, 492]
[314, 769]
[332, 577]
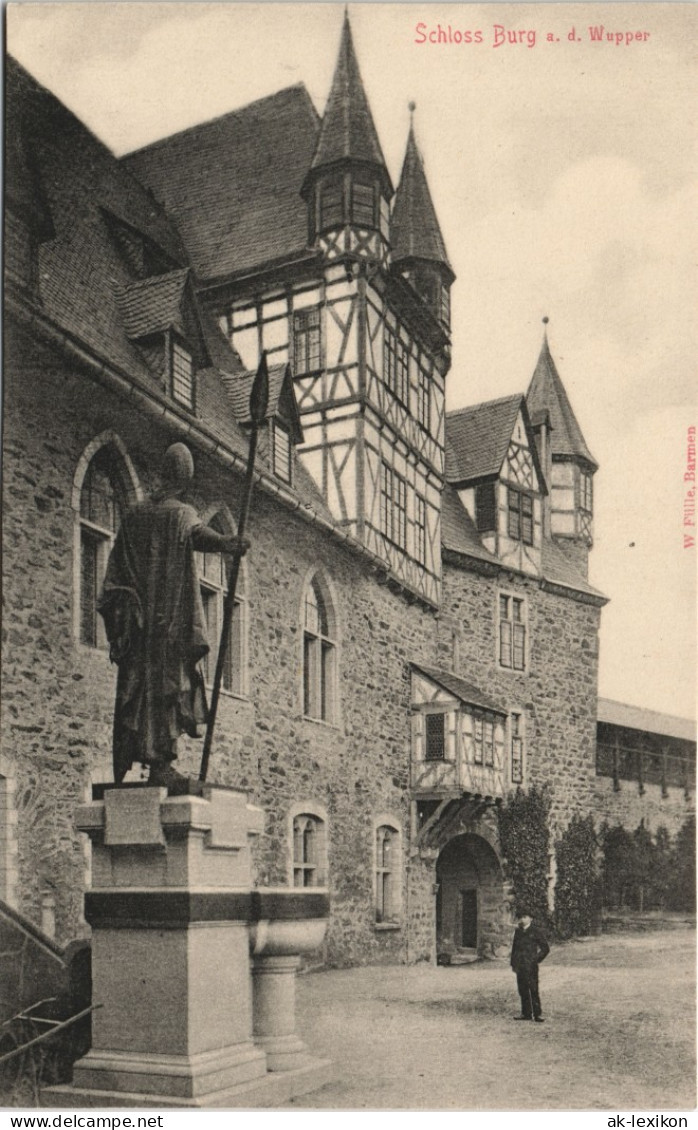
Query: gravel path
[619, 1032]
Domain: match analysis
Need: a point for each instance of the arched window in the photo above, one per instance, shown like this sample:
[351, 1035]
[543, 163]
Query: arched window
[105, 484]
[319, 655]
[213, 578]
[309, 862]
[388, 871]
[102, 501]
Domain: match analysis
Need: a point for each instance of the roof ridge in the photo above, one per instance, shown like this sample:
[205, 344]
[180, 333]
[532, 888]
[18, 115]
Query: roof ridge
[297, 86]
[485, 403]
[645, 709]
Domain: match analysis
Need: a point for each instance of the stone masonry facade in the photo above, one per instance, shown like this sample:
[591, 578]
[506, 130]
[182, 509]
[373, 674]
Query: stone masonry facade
[91, 333]
[59, 693]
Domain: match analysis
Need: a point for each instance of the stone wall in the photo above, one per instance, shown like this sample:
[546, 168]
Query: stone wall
[627, 806]
[58, 694]
[557, 694]
[58, 697]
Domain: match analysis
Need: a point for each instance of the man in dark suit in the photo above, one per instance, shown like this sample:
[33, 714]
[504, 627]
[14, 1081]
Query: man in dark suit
[529, 949]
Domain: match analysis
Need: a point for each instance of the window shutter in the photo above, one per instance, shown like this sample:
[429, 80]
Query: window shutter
[485, 507]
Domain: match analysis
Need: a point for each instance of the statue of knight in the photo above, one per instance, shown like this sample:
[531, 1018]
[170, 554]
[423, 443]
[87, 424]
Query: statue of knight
[154, 620]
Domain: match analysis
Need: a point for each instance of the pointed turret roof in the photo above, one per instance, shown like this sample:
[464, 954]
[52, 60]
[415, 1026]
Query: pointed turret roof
[414, 228]
[546, 392]
[348, 132]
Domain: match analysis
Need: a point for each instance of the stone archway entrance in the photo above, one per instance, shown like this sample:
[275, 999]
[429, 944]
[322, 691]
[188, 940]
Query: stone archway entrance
[469, 893]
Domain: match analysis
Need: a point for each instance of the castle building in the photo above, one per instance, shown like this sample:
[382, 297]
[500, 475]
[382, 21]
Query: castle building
[414, 636]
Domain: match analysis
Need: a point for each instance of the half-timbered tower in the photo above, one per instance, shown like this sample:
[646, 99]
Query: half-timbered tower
[414, 635]
[321, 273]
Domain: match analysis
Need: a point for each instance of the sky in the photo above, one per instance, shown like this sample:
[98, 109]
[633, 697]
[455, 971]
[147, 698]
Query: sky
[563, 172]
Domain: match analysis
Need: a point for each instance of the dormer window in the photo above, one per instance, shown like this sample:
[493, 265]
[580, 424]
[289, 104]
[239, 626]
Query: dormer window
[281, 451]
[182, 374]
[520, 515]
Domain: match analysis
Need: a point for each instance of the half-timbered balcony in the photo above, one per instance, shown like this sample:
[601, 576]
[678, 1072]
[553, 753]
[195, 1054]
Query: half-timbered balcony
[458, 738]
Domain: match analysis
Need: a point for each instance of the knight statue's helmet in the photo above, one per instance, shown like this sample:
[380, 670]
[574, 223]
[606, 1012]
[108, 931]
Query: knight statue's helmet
[177, 466]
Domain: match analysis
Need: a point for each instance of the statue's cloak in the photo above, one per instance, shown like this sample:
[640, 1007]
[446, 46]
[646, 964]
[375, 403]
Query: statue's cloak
[154, 620]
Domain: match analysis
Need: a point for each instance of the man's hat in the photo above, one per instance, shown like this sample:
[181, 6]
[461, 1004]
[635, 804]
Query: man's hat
[178, 465]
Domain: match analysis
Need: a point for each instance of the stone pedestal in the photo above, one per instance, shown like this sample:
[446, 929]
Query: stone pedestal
[276, 945]
[174, 919]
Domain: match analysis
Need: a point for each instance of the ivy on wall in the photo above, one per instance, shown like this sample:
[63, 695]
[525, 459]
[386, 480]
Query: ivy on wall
[649, 872]
[524, 836]
[578, 884]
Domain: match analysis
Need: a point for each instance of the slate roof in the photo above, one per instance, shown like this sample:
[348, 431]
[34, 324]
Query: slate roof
[233, 184]
[86, 286]
[152, 305]
[650, 721]
[559, 570]
[458, 531]
[348, 131]
[281, 398]
[81, 270]
[477, 438]
[414, 228]
[546, 391]
[466, 692]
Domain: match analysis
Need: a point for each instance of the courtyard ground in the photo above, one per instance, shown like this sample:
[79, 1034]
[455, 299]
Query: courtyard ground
[619, 1032]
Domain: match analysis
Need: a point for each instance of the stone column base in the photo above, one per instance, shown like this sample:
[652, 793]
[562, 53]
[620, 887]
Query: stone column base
[272, 1090]
[173, 1076]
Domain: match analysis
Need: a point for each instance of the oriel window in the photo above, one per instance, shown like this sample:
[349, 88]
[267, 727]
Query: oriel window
[435, 744]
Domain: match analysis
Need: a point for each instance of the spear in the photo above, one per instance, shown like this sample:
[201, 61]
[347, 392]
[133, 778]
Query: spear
[259, 399]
